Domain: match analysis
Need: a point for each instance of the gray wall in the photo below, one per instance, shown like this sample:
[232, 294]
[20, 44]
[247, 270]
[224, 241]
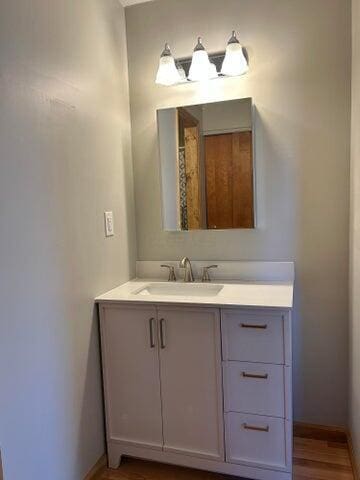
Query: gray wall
[354, 393]
[64, 159]
[299, 80]
[227, 116]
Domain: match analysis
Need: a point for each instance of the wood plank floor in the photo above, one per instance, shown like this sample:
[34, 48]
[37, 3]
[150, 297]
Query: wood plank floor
[314, 459]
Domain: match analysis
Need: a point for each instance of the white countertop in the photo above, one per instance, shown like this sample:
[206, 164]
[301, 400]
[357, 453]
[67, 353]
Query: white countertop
[234, 293]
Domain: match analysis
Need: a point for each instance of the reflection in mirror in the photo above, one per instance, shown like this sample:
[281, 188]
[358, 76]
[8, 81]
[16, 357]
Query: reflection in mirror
[207, 166]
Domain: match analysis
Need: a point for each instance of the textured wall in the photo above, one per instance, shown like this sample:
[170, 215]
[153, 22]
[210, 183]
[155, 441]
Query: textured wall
[299, 80]
[64, 159]
[355, 239]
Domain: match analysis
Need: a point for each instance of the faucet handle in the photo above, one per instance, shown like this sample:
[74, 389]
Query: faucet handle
[205, 276]
[172, 276]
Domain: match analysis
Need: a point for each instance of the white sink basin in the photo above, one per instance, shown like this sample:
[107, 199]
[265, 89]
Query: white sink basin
[180, 289]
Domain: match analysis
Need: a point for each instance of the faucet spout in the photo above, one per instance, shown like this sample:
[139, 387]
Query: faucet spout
[188, 276]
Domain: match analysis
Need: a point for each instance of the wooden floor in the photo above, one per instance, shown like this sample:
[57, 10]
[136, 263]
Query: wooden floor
[315, 458]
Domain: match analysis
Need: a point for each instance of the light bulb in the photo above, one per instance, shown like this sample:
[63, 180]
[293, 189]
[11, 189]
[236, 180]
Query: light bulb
[200, 68]
[234, 62]
[167, 73]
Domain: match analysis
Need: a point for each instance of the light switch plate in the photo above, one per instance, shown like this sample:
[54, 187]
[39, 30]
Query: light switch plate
[109, 224]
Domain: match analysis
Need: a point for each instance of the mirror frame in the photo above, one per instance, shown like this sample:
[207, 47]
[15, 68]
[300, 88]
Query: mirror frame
[167, 223]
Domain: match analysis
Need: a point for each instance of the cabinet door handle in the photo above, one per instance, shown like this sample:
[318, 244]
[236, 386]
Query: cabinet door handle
[162, 333]
[257, 429]
[255, 375]
[151, 328]
[249, 325]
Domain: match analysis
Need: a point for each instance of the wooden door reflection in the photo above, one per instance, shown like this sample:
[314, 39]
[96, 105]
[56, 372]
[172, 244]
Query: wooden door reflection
[229, 180]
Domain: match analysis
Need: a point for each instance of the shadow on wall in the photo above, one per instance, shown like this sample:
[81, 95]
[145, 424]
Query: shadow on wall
[90, 403]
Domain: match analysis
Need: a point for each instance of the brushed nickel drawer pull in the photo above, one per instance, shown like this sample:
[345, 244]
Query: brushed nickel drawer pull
[162, 333]
[151, 327]
[264, 376]
[257, 429]
[249, 325]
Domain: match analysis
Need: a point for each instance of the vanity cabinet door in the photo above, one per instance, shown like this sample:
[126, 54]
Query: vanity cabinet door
[190, 370]
[131, 375]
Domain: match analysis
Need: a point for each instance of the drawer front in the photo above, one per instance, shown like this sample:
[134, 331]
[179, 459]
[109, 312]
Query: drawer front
[254, 388]
[256, 440]
[253, 337]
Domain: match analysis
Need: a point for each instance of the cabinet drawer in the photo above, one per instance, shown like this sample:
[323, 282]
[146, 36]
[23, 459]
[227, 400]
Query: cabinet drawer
[253, 337]
[256, 440]
[254, 388]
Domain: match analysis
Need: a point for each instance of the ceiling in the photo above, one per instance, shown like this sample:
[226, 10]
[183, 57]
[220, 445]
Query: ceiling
[127, 3]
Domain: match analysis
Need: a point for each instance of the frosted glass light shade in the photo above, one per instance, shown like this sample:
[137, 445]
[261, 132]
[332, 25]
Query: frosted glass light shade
[167, 73]
[200, 68]
[234, 62]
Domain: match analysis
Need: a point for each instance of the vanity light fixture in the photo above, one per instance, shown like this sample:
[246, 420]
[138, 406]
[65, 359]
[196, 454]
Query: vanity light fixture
[167, 73]
[202, 66]
[234, 62]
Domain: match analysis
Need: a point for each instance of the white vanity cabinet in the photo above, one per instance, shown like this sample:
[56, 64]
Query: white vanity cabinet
[198, 386]
[162, 378]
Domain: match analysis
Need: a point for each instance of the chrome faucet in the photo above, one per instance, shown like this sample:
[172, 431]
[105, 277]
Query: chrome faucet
[188, 276]
[205, 276]
[172, 275]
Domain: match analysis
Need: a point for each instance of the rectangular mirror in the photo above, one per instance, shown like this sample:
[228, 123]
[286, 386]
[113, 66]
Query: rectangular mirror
[207, 165]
